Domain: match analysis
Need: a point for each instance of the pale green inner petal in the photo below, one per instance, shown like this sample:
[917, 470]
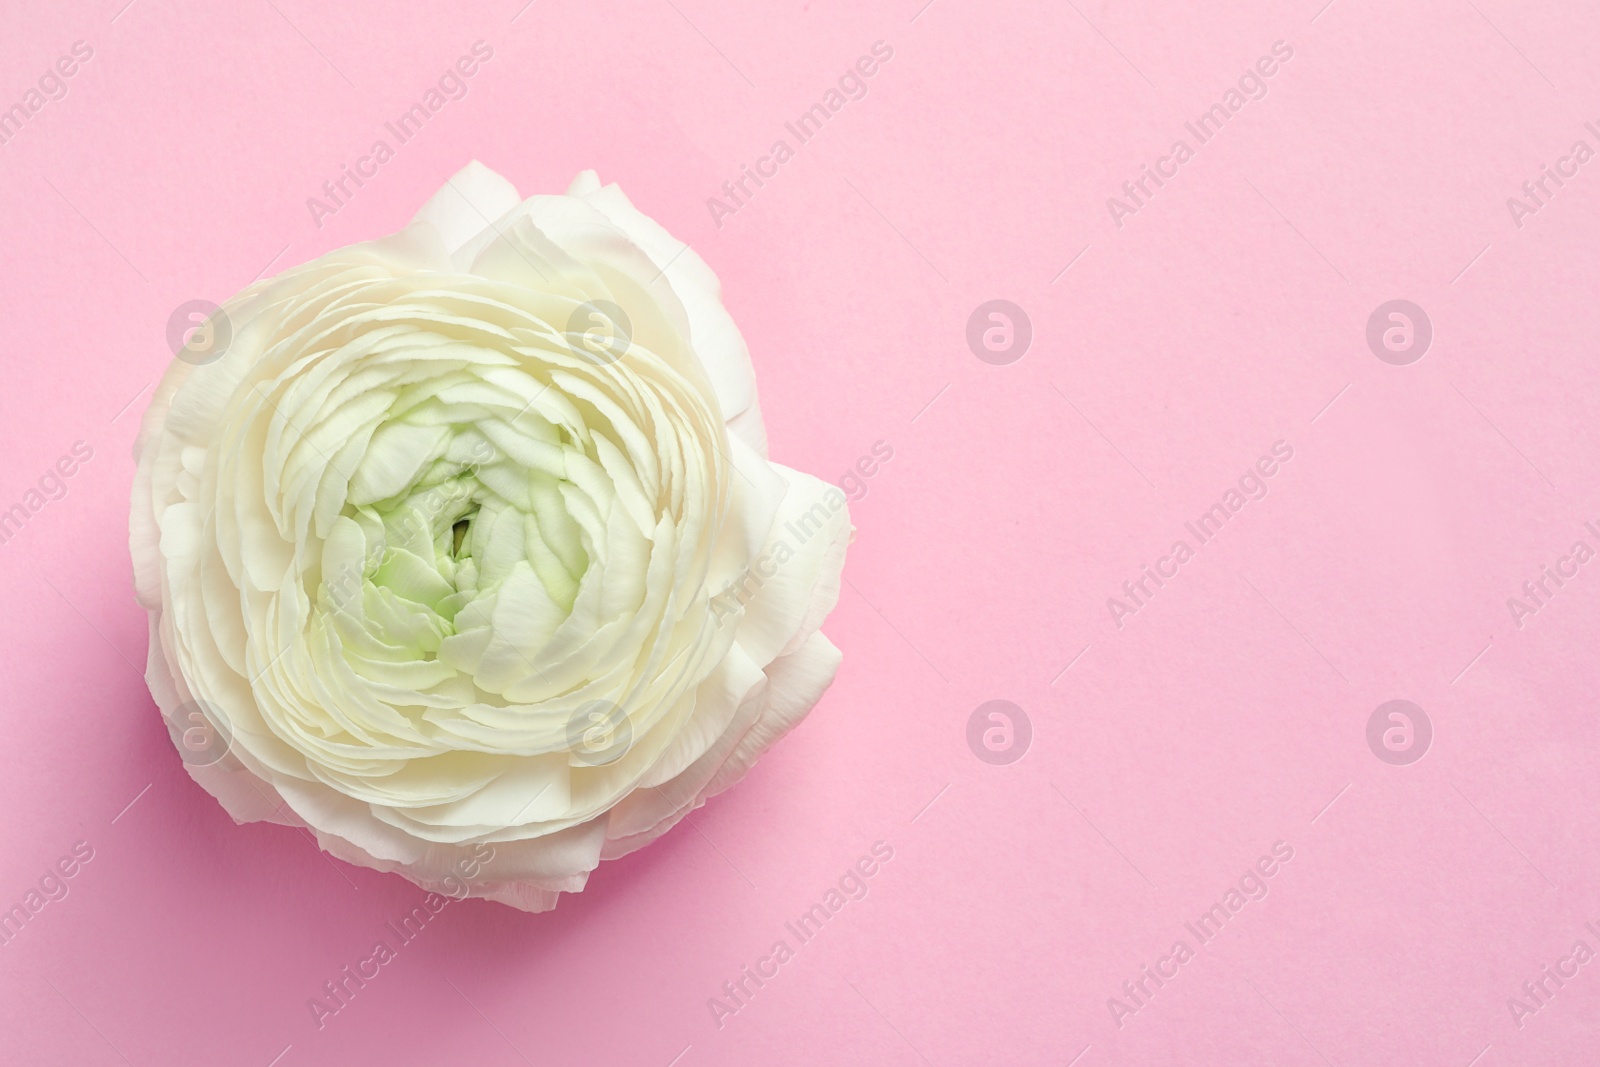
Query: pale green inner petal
[457, 550]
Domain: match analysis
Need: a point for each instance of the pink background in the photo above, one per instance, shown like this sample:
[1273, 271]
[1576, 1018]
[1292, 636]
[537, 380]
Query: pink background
[1229, 713]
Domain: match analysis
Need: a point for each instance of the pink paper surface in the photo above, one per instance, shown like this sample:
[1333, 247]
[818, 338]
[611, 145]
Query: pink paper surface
[1176, 340]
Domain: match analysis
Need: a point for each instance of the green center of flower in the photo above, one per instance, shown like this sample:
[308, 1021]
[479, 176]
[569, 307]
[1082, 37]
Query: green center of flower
[465, 535]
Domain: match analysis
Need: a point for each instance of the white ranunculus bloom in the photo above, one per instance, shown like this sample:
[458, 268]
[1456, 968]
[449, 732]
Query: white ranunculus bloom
[468, 538]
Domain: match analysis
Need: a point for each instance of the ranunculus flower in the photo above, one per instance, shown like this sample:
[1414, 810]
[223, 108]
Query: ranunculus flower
[467, 538]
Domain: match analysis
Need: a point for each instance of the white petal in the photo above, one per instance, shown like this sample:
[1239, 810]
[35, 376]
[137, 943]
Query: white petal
[716, 339]
[794, 684]
[467, 203]
[794, 581]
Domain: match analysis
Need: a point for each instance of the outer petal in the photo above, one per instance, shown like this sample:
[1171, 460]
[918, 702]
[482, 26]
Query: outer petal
[467, 204]
[717, 340]
[794, 582]
[794, 684]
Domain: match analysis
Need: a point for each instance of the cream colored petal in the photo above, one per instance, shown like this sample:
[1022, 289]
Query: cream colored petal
[467, 204]
[716, 339]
